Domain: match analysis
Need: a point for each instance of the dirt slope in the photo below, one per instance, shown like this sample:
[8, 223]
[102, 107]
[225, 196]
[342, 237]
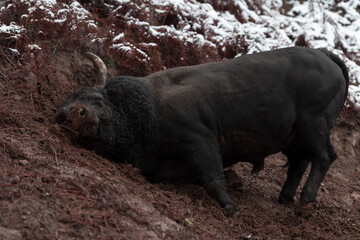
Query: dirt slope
[53, 189]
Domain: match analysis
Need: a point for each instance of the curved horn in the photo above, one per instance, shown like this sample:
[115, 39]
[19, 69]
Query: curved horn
[100, 65]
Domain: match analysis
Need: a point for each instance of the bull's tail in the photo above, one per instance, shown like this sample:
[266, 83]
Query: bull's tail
[342, 66]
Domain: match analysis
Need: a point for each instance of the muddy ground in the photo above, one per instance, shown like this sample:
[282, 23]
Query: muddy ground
[53, 189]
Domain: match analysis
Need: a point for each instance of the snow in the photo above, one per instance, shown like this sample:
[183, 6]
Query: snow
[118, 37]
[12, 29]
[49, 9]
[354, 92]
[263, 27]
[122, 47]
[15, 51]
[44, 3]
[79, 10]
[34, 47]
[123, 1]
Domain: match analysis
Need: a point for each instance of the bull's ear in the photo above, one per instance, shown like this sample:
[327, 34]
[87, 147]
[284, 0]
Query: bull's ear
[114, 92]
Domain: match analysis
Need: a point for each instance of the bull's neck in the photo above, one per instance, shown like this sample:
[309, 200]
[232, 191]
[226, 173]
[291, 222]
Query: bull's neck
[133, 118]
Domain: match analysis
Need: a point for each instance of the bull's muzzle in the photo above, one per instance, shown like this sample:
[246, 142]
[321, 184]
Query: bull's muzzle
[79, 118]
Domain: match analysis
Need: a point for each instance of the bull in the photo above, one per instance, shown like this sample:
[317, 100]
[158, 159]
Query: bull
[186, 124]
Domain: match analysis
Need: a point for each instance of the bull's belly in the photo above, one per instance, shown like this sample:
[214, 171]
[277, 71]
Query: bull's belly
[243, 147]
[233, 156]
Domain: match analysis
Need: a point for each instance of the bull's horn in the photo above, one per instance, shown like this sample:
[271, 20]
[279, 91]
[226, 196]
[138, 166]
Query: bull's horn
[102, 71]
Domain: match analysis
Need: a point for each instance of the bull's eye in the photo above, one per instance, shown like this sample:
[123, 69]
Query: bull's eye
[82, 112]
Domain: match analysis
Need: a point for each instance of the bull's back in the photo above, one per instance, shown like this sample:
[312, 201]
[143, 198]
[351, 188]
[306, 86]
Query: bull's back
[250, 104]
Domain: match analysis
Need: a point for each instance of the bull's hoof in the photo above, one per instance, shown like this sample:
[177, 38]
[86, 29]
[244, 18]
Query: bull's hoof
[258, 166]
[307, 198]
[230, 210]
[285, 199]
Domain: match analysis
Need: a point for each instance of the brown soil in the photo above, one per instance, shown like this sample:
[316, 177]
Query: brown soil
[53, 189]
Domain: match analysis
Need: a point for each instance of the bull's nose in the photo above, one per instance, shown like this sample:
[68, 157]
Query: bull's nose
[77, 111]
[82, 112]
[79, 115]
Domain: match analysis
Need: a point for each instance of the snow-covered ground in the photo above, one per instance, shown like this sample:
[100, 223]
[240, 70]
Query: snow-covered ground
[266, 25]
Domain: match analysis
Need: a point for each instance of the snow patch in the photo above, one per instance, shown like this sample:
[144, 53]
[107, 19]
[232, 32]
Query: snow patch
[13, 28]
[34, 47]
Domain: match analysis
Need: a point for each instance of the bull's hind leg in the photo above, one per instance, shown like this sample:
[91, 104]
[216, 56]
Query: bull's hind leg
[315, 137]
[297, 167]
[205, 160]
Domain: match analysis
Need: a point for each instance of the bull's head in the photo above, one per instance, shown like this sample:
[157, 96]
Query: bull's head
[87, 108]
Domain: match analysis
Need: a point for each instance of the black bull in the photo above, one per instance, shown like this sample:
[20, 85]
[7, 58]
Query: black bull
[185, 125]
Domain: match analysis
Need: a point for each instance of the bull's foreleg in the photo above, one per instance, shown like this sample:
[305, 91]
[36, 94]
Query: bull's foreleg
[206, 161]
[217, 189]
